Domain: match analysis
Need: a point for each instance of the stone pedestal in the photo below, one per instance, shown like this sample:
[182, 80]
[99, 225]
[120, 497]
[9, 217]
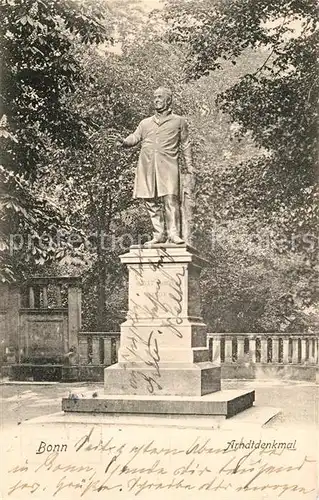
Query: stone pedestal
[163, 348]
[164, 365]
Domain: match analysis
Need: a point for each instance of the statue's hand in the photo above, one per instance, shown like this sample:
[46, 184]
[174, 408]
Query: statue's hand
[119, 143]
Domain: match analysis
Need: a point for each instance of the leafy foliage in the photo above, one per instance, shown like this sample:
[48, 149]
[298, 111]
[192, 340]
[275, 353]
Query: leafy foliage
[273, 192]
[94, 184]
[39, 72]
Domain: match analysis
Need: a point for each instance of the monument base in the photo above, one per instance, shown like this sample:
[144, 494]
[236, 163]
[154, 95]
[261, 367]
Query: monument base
[164, 365]
[170, 379]
[222, 404]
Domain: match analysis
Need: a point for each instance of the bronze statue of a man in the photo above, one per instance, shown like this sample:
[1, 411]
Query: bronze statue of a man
[157, 178]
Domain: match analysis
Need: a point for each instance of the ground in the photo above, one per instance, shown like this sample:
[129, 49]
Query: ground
[298, 401]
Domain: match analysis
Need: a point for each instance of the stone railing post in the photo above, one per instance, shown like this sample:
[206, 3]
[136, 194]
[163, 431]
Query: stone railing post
[228, 350]
[263, 350]
[303, 350]
[107, 351]
[295, 351]
[312, 351]
[96, 350]
[275, 350]
[216, 359]
[240, 349]
[285, 351]
[252, 350]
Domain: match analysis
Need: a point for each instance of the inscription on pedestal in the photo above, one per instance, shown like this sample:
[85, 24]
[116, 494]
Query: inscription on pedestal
[156, 292]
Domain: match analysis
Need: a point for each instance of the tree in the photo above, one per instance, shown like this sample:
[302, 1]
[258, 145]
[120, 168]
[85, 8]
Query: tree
[94, 184]
[271, 192]
[276, 101]
[39, 72]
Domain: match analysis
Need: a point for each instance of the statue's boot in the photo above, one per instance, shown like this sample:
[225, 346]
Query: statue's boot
[157, 239]
[175, 239]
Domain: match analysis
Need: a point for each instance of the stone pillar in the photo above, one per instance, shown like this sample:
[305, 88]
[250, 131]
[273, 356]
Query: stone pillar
[107, 351]
[275, 350]
[163, 346]
[240, 349]
[74, 315]
[216, 359]
[228, 350]
[252, 350]
[294, 350]
[285, 351]
[263, 350]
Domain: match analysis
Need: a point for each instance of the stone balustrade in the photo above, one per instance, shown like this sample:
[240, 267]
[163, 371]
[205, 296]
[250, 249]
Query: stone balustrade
[235, 348]
[272, 348]
[250, 355]
[274, 355]
[98, 348]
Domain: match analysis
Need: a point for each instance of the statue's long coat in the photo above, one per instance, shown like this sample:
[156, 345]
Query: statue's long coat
[157, 172]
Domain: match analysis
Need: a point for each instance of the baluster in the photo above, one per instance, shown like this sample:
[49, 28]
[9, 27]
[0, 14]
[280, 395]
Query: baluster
[107, 351]
[228, 350]
[96, 351]
[275, 350]
[311, 351]
[303, 351]
[240, 349]
[294, 351]
[263, 350]
[285, 351]
[307, 349]
[252, 350]
[216, 351]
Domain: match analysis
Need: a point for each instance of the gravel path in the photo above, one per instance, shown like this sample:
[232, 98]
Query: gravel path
[298, 400]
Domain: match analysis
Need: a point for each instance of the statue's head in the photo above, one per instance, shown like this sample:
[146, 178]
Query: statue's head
[163, 97]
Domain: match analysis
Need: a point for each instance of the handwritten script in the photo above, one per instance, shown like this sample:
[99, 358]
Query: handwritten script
[158, 298]
[149, 463]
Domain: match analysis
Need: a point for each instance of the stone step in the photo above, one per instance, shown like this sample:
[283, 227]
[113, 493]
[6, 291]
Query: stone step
[226, 403]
